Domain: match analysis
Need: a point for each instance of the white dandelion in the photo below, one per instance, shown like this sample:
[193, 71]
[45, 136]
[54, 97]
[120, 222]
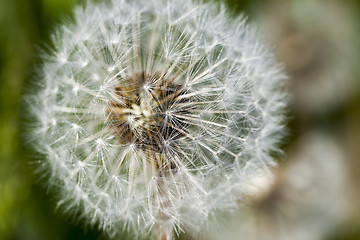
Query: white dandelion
[154, 114]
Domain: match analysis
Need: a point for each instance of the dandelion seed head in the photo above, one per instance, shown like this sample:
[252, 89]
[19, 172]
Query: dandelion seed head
[156, 117]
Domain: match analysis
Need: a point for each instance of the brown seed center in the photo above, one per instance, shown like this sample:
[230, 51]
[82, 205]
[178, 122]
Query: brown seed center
[148, 112]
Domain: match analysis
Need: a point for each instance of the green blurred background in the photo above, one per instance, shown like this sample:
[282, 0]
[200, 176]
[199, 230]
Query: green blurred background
[27, 210]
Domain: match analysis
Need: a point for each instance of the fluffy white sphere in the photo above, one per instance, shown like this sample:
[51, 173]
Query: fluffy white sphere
[154, 114]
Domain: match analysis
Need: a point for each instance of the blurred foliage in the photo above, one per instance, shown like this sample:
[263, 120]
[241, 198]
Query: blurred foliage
[27, 211]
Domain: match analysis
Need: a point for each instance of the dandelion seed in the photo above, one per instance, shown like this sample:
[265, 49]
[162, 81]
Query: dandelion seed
[165, 111]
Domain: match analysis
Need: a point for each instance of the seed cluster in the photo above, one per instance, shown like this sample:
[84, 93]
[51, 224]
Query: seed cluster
[143, 115]
[156, 116]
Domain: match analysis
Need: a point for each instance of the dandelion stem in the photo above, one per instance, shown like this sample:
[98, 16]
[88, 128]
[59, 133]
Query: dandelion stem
[164, 229]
